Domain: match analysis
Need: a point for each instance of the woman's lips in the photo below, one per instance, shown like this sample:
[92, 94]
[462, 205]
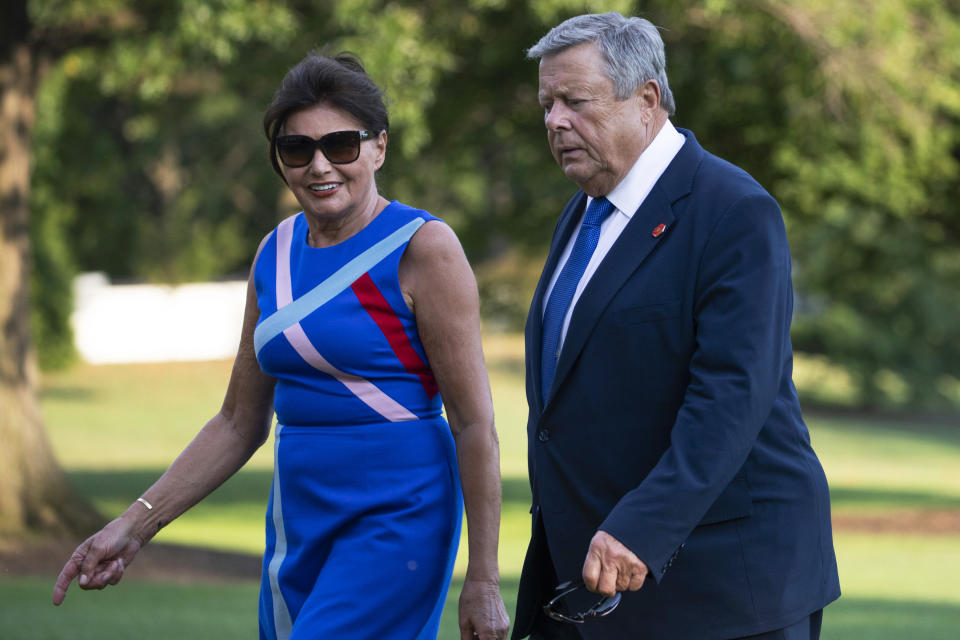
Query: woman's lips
[324, 190]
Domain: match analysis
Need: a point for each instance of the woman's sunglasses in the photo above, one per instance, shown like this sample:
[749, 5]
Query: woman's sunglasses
[339, 147]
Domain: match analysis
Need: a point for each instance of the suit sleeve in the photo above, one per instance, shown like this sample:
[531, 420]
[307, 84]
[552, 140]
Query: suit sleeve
[742, 308]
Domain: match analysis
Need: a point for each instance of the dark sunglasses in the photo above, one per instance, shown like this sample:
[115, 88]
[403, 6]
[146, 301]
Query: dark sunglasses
[552, 609]
[339, 147]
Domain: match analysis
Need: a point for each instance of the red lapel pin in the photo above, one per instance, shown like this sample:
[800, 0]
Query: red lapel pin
[658, 230]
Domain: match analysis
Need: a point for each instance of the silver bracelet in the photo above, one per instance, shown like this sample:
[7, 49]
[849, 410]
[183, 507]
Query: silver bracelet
[146, 504]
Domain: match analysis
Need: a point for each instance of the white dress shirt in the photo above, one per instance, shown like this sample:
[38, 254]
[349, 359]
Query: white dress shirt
[626, 197]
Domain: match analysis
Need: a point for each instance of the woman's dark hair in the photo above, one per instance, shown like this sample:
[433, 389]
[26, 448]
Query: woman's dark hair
[339, 81]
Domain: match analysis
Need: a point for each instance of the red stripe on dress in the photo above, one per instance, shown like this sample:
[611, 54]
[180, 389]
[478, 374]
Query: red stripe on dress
[383, 314]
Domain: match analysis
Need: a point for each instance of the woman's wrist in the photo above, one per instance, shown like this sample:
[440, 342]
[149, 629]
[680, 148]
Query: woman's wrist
[142, 520]
[487, 573]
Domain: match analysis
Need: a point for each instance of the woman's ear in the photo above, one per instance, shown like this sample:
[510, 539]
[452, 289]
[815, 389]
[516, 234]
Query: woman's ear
[381, 149]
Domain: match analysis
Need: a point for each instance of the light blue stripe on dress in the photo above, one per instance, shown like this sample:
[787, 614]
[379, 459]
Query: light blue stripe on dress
[282, 623]
[332, 286]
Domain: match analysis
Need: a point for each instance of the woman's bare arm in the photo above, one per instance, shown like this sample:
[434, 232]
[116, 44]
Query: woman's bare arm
[437, 279]
[221, 447]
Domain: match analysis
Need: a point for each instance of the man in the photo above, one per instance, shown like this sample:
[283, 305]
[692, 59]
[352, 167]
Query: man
[668, 457]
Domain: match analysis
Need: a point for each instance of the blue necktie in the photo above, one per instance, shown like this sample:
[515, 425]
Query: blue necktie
[566, 286]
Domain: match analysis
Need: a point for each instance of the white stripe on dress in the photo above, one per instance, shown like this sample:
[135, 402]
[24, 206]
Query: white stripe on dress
[284, 240]
[281, 615]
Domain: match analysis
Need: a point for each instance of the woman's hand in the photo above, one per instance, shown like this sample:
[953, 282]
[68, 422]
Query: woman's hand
[221, 447]
[99, 560]
[482, 614]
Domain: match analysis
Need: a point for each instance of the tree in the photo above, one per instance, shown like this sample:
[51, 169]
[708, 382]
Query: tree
[180, 158]
[151, 155]
[34, 37]
[856, 130]
[34, 493]
[847, 111]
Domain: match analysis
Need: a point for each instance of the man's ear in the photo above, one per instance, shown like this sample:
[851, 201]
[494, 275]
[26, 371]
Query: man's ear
[648, 95]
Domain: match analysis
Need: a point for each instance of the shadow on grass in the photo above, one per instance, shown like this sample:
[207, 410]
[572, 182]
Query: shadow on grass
[943, 431]
[896, 418]
[253, 486]
[511, 366]
[845, 497]
[248, 485]
[72, 393]
[863, 618]
[516, 492]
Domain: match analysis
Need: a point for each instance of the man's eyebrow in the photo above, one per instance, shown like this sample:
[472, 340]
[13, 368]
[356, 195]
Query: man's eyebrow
[565, 93]
[563, 90]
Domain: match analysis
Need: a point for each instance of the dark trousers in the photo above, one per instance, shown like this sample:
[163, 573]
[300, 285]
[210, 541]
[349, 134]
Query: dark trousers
[806, 629]
[547, 629]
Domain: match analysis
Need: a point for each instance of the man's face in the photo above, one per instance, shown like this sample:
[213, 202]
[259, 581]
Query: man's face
[594, 137]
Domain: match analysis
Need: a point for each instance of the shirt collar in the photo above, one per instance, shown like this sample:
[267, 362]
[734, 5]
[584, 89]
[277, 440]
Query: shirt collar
[653, 161]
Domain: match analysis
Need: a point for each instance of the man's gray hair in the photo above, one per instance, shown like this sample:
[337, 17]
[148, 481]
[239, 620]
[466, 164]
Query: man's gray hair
[631, 47]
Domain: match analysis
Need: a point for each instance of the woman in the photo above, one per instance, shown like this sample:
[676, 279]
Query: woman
[360, 314]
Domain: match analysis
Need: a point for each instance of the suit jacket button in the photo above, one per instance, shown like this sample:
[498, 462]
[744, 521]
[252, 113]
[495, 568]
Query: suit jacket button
[543, 435]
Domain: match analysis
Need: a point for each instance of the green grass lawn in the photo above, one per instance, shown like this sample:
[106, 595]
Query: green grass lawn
[115, 428]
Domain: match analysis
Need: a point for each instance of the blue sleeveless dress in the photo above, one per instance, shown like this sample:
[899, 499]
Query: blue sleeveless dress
[364, 516]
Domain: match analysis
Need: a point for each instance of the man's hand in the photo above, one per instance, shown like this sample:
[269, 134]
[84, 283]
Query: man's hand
[611, 567]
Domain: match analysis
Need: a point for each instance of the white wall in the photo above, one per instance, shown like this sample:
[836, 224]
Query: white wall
[156, 323]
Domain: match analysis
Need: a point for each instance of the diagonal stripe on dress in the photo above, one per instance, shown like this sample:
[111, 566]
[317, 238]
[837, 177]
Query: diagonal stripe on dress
[290, 312]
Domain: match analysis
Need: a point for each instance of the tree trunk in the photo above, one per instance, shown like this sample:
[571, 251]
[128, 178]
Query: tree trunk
[34, 493]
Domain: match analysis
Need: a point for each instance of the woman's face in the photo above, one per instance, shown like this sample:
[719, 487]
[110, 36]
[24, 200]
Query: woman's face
[333, 193]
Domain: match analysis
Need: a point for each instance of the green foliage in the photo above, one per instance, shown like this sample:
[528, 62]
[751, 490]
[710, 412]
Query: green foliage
[869, 169]
[408, 70]
[848, 113]
[148, 157]
[150, 160]
[51, 256]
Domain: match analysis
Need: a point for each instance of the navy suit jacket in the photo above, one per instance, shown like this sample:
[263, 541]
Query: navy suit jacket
[673, 423]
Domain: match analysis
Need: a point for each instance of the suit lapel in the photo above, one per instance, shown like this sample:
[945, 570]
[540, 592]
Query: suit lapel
[626, 255]
[534, 327]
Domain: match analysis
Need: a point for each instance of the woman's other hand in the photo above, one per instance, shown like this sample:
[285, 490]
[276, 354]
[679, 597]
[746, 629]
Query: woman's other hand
[482, 614]
[100, 560]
